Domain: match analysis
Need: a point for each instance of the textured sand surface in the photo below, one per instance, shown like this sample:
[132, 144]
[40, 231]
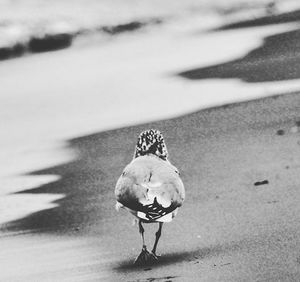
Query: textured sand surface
[229, 229]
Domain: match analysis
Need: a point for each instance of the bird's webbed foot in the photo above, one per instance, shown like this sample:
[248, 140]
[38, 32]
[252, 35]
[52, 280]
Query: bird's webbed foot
[145, 257]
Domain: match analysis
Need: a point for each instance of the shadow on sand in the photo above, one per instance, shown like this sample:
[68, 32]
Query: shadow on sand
[191, 256]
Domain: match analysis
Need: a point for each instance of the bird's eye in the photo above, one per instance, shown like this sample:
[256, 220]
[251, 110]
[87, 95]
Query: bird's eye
[123, 173]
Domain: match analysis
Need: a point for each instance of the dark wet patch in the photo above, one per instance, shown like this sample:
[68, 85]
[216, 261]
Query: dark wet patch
[280, 132]
[37, 44]
[12, 52]
[151, 279]
[128, 27]
[269, 19]
[264, 182]
[221, 265]
[50, 42]
[277, 59]
[224, 264]
[272, 202]
[123, 27]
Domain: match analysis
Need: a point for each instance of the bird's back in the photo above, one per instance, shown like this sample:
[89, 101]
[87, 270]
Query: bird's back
[150, 188]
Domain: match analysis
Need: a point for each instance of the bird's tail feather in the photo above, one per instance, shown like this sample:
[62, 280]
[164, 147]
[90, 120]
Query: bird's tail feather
[118, 206]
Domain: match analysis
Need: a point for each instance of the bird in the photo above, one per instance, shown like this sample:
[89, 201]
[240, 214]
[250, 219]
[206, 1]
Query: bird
[150, 188]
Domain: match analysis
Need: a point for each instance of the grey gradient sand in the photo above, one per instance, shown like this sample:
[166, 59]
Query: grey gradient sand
[227, 230]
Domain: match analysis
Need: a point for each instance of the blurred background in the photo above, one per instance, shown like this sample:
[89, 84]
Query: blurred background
[20, 21]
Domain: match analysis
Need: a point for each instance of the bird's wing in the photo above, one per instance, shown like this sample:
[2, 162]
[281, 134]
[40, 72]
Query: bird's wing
[150, 187]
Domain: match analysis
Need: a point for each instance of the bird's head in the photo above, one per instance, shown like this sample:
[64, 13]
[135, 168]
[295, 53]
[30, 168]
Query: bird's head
[151, 142]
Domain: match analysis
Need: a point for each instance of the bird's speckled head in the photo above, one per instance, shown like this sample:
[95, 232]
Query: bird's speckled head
[151, 142]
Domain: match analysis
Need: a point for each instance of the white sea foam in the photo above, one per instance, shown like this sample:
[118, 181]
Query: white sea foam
[16, 206]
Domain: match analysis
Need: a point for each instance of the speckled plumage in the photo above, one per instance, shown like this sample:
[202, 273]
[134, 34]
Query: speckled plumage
[151, 142]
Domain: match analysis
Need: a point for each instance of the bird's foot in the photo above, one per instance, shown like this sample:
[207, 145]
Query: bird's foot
[156, 255]
[145, 257]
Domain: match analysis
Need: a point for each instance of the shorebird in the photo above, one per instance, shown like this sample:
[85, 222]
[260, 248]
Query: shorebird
[150, 188]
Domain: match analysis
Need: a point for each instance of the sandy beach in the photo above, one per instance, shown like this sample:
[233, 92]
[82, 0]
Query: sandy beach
[239, 160]
[229, 229]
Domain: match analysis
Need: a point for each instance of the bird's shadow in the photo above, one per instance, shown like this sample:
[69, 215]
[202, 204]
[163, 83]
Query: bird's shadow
[167, 259]
[191, 256]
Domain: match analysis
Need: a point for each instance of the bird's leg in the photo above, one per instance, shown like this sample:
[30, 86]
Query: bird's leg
[142, 230]
[145, 256]
[157, 236]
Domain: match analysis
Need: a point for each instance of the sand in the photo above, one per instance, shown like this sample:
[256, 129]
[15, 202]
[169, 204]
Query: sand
[229, 229]
[240, 221]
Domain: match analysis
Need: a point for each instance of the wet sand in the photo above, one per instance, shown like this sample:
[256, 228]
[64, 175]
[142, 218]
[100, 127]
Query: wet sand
[229, 229]
[277, 59]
